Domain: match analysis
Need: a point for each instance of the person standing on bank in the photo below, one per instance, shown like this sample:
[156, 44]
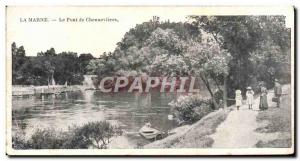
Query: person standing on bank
[249, 95]
[238, 99]
[277, 91]
[263, 101]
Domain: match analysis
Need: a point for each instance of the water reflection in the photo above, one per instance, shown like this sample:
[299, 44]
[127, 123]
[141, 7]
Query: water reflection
[88, 95]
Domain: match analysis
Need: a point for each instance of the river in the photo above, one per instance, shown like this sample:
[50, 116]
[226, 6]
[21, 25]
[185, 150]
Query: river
[128, 110]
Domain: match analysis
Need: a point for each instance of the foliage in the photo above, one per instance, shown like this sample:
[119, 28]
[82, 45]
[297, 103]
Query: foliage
[93, 134]
[46, 139]
[18, 59]
[191, 108]
[102, 67]
[46, 66]
[246, 36]
[229, 51]
[19, 142]
[166, 39]
[97, 134]
[218, 49]
[169, 65]
[84, 60]
[271, 62]
[142, 48]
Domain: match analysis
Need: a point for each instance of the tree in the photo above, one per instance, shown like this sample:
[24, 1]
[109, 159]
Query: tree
[84, 60]
[166, 39]
[18, 59]
[198, 54]
[67, 68]
[103, 67]
[50, 53]
[173, 65]
[14, 49]
[164, 53]
[47, 66]
[241, 36]
[208, 61]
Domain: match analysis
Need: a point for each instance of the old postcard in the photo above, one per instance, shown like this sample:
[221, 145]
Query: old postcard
[150, 80]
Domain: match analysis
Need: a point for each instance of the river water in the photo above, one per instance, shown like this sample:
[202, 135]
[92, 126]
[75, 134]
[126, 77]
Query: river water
[128, 110]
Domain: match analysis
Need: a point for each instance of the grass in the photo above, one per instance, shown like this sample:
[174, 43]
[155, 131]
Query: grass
[196, 136]
[277, 143]
[278, 120]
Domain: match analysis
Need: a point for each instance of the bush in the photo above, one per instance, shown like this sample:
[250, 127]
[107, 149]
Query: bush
[190, 108]
[47, 139]
[18, 142]
[93, 134]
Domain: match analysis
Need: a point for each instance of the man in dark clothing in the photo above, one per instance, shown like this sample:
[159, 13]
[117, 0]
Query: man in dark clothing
[277, 91]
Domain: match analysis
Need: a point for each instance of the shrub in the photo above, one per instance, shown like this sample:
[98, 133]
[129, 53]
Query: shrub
[96, 134]
[93, 134]
[191, 108]
[46, 139]
[19, 142]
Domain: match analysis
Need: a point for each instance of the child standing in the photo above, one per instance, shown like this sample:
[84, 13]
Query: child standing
[238, 99]
[249, 95]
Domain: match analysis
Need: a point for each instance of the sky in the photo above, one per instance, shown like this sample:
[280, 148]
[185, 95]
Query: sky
[96, 37]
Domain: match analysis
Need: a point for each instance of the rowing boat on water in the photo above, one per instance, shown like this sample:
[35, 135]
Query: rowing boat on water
[149, 133]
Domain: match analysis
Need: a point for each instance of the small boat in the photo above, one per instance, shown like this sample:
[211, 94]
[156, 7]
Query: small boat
[149, 133]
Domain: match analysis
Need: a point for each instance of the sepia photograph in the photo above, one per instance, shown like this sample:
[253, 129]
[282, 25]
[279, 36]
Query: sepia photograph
[150, 80]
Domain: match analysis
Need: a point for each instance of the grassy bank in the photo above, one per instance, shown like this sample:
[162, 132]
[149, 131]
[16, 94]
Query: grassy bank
[276, 120]
[194, 136]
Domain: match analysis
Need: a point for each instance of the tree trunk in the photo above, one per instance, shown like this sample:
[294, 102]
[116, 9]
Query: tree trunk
[225, 91]
[216, 82]
[48, 79]
[204, 79]
[52, 79]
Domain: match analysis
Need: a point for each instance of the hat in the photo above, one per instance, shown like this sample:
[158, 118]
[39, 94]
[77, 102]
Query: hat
[249, 88]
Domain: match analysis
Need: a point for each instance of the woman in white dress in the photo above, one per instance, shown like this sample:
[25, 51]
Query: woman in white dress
[249, 95]
[238, 99]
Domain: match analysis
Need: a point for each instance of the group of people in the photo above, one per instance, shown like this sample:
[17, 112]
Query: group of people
[249, 98]
[263, 100]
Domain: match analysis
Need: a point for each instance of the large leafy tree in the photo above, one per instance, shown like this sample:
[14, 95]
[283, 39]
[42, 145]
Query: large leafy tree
[47, 60]
[208, 61]
[165, 57]
[67, 68]
[18, 59]
[242, 36]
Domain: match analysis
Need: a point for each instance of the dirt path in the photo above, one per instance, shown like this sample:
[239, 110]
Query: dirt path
[238, 130]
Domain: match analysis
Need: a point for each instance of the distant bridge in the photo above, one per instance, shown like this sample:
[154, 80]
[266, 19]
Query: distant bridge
[33, 90]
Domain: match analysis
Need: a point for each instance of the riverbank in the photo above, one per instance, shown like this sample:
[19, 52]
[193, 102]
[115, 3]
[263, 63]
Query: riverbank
[196, 135]
[32, 90]
[228, 128]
